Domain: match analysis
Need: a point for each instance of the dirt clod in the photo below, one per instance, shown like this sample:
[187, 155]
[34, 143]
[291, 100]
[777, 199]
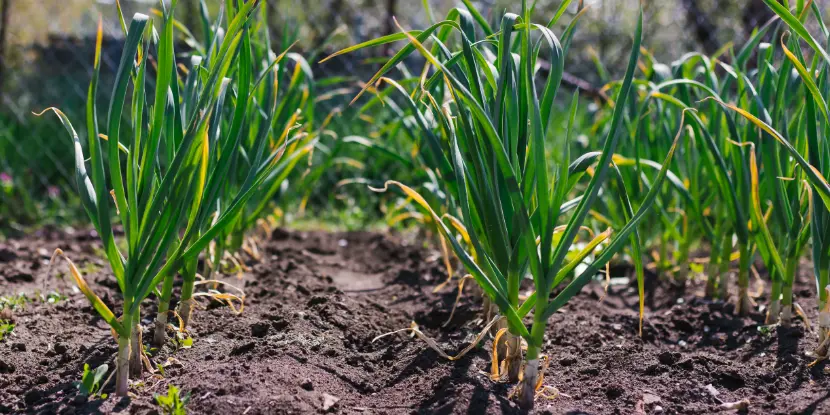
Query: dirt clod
[307, 385]
[568, 360]
[243, 349]
[614, 391]
[32, 397]
[260, 329]
[316, 300]
[60, 348]
[20, 277]
[6, 367]
[730, 379]
[7, 255]
[279, 234]
[329, 401]
[650, 399]
[668, 358]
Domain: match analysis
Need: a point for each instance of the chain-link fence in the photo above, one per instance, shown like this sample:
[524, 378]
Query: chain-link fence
[47, 47]
[46, 60]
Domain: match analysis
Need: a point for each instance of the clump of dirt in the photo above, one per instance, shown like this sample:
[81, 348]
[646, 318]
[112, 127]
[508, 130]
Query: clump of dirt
[315, 302]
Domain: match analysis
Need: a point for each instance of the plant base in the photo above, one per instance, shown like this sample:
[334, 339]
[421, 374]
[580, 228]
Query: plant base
[527, 388]
[136, 364]
[773, 312]
[682, 275]
[513, 359]
[122, 367]
[711, 290]
[489, 310]
[160, 329]
[744, 304]
[823, 334]
[787, 316]
[186, 311]
[723, 286]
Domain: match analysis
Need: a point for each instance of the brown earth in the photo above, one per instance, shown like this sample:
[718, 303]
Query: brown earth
[316, 301]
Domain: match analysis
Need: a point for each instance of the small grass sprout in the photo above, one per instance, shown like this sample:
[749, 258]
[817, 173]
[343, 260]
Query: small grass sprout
[90, 384]
[6, 328]
[173, 403]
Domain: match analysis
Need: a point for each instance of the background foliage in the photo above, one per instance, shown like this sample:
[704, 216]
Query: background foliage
[46, 50]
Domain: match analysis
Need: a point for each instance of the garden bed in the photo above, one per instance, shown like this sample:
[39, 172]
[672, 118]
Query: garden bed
[316, 300]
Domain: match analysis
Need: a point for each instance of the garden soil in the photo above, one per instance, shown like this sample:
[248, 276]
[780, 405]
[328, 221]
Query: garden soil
[316, 300]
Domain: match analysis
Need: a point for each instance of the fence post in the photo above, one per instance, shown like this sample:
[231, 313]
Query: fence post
[389, 25]
[703, 28]
[4, 29]
[272, 21]
[191, 15]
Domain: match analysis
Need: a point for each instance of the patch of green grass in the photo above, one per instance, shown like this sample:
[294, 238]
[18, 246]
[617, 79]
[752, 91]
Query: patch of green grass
[173, 403]
[6, 328]
[90, 268]
[14, 302]
[766, 331]
[19, 301]
[181, 341]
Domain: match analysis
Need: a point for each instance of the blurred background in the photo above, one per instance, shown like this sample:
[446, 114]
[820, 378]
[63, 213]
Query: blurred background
[47, 46]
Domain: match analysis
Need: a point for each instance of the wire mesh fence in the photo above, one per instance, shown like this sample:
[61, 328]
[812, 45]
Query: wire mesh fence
[47, 47]
[46, 59]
